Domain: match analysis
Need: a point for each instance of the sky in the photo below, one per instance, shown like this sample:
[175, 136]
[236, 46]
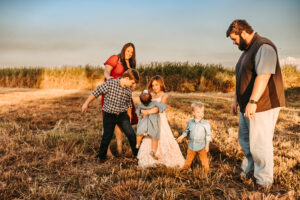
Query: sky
[53, 33]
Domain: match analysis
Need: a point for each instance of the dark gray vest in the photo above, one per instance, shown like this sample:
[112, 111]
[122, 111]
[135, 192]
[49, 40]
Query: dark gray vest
[273, 96]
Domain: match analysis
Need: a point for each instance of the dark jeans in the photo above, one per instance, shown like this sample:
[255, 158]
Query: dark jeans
[109, 123]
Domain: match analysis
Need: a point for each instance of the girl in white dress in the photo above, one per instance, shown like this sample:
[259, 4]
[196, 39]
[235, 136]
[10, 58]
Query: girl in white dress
[168, 151]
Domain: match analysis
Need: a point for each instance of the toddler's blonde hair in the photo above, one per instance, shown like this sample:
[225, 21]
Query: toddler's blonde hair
[197, 104]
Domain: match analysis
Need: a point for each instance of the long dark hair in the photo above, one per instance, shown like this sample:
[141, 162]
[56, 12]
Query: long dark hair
[132, 61]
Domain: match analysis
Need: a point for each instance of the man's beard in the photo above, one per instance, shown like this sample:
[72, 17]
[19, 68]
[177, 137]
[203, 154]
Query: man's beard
[243, 44]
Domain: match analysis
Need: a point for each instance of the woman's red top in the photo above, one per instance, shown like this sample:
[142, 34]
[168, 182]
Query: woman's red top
[117, 71]
[118, 68]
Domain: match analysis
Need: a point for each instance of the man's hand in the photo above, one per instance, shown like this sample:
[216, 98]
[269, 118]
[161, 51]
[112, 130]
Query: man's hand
[250, 110]
[234, 105]
[260, 84]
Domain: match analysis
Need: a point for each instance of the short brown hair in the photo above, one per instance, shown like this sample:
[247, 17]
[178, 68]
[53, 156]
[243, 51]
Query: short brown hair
[160, 81]
[238, 26]
[132, 74]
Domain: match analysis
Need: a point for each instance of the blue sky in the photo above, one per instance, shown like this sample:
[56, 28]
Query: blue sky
[60, 32]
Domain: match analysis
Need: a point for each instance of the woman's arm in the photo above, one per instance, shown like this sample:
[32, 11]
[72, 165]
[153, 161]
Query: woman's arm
[107, 72]
[147, 112]
[164, 99]
[129, 110]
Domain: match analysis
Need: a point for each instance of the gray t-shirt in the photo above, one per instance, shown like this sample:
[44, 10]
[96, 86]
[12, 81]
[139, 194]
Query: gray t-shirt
[265, 60]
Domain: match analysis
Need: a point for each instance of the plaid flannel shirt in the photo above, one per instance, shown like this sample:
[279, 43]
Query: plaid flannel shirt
[117, 99]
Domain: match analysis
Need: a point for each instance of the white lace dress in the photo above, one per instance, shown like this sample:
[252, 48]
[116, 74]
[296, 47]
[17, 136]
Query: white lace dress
[168, 151]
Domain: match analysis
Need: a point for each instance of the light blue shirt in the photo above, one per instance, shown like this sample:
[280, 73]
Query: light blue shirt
[265, 60]
[199, 133]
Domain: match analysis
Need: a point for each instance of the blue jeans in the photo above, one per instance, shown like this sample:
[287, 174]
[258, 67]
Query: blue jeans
[256, 140]
[109, 123]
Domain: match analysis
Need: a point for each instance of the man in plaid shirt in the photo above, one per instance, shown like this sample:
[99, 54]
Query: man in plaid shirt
[117, 109]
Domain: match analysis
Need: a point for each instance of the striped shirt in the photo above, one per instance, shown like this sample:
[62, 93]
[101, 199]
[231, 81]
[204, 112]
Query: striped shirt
[117, 99]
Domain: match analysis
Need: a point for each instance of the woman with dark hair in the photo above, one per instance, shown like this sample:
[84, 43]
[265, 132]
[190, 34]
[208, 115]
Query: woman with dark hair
[115, 66]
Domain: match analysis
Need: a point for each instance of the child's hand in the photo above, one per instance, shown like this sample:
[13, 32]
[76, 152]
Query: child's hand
[84, 108]
[179, 139]
[207, 148]
[144, 113]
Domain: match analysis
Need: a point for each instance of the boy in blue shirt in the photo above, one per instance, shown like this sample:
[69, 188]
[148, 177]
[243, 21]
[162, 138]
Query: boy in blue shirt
[200, 135]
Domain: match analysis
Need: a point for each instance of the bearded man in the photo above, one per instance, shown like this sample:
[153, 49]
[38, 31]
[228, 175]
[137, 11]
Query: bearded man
[260, 95]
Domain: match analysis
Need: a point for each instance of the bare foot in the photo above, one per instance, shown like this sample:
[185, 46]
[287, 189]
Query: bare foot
[153, 155]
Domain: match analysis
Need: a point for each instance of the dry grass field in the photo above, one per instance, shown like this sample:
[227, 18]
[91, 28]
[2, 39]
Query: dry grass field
[48, 148]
